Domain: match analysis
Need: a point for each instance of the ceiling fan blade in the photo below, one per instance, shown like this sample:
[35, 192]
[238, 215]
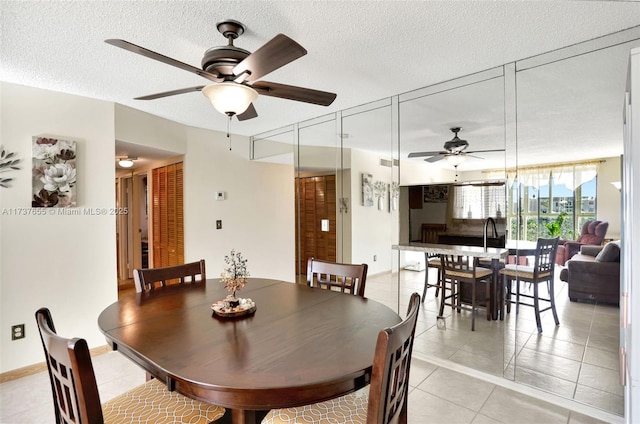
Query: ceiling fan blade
[423, 154]
[276, 53]
[486, 151]
[162, 58]
[307, 95]
[248, 114]
[435, 158]
[170, 93]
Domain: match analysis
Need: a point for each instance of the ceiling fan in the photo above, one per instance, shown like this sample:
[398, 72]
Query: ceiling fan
[454, 151]
[235, 72]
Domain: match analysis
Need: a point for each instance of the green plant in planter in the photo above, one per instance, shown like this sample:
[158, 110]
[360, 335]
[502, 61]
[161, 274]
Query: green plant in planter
[555, 227]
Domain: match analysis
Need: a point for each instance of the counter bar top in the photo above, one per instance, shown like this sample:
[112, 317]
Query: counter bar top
[448, 249]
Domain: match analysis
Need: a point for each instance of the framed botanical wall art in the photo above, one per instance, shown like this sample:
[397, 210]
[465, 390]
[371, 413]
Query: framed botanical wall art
[367, 189]
[380, 190]
[54, 173]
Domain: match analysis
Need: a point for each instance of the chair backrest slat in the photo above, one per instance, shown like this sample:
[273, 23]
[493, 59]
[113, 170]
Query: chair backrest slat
[389, 388]
[345, 277]
[148, 278]
[430, 232]
[545, 256]
[73, 382]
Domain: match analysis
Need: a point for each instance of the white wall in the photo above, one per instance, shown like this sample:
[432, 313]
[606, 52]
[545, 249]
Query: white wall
[608, 206]
[257, 214]
[373, 231]
[66, 263]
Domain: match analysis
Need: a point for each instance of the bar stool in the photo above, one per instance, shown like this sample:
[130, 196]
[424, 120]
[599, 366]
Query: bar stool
[542, 271]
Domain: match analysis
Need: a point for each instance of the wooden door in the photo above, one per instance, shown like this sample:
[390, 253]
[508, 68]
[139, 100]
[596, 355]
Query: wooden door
[167, 215]
[315, 202]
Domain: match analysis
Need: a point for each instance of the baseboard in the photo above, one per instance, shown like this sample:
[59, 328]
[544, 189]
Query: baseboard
[42, 366]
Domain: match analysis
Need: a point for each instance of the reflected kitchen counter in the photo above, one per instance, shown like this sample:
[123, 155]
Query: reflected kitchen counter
[451, 249]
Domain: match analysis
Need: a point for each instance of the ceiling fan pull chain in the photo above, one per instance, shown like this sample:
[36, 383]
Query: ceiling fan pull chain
[229, 132]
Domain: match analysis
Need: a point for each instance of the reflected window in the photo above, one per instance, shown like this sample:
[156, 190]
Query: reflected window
[478, 201]
[564, 194]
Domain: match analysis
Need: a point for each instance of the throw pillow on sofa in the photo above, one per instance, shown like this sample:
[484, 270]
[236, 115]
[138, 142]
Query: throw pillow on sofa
[610, 253]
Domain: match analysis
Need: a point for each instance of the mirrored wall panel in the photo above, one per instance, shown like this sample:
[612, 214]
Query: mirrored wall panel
[525, 151]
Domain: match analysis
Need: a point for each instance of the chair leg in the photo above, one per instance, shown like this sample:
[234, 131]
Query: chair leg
[517, 296]
[473, 306]
[458, 286]
[487, 296]
[536, 307]
[442, 299]
[508, 282]
[426, 282]
[552, 299]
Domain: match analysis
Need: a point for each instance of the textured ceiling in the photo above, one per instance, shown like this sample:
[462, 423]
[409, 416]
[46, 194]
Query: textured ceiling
[361, 50]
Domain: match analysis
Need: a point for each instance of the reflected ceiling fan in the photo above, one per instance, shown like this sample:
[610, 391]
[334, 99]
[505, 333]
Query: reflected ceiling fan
[454, 151]
[235, 73]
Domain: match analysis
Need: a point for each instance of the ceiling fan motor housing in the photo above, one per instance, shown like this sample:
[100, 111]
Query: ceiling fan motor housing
[221, 60]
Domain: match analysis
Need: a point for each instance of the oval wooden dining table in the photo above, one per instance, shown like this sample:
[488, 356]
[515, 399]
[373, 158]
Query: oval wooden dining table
[302, 345]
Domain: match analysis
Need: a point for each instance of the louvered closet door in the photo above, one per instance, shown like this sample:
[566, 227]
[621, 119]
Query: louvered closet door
[316, 201]
[168, 215]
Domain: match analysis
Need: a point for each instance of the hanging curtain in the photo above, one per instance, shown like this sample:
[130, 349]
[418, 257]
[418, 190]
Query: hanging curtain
[571, 175]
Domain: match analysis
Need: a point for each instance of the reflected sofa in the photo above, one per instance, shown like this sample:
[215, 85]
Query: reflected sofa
[593, 232]
[594, 274]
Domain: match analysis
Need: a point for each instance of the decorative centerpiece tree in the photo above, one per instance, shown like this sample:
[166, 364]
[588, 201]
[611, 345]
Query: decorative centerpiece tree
[235, 276]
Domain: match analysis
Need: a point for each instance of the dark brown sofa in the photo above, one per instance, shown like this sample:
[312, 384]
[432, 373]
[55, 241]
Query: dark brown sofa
[594, 274]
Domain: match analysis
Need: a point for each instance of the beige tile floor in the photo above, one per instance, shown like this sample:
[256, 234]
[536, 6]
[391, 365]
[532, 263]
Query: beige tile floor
[438, 395]
[443, 388]
[574, 364]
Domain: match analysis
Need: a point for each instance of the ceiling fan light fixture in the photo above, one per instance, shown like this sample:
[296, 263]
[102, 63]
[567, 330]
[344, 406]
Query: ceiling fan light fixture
[230, 98]
[455, 160]
[126, 162]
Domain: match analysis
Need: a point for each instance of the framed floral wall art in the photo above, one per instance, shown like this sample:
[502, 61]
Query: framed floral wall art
[54, 173]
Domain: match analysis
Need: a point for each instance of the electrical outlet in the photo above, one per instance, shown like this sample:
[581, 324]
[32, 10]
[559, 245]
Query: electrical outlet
[218, 224]
[17, 332]
[375, 258]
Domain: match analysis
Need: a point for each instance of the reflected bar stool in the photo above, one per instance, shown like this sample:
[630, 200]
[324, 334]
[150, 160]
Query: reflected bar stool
[459, 270]
[542, 271]
[429, 234]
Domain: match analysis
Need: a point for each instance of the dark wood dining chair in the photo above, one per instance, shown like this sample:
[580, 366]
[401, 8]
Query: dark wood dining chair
[385, 401]
[337, 276]
[429, 234]
[542, 271]
[75, 391]
[462, 276]
[148, 278]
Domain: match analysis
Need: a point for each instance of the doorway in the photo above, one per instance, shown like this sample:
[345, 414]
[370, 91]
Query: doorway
[132, 225]
[150, 227]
